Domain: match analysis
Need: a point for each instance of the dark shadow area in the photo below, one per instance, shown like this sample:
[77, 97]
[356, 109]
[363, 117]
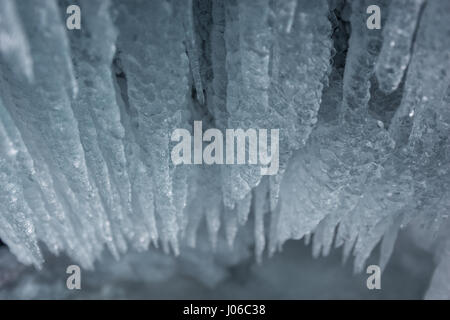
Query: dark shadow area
[291, 274]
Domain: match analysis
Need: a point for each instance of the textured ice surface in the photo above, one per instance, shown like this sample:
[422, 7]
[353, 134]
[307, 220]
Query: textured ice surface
[86, 118]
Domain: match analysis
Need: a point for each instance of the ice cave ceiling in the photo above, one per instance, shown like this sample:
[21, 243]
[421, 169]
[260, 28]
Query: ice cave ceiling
[86, 118]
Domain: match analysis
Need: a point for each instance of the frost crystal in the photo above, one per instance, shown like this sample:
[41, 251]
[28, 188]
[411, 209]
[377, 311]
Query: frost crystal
[86, 118]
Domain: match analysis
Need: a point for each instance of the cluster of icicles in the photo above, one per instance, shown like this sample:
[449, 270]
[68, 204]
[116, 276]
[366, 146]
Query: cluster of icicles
[86, 117]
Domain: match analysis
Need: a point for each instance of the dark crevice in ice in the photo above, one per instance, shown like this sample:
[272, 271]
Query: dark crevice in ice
[121, 81]
[340, 35]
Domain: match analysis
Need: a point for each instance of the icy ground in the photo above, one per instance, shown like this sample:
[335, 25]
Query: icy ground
[86, 117]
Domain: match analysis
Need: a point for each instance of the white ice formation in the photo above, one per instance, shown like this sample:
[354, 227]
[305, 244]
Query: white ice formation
[86, 117]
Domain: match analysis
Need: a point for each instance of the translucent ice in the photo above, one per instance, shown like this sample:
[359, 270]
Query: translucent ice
[86, 118]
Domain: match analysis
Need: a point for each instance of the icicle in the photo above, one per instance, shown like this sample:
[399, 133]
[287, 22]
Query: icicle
[57, 230]
[157, 94]
[427, 147]
[286, 13]
[398, 33]
[440, 283]
[218, 61]
[85, 161]
[248, 38]
[140, 179]
[387, 245]
[17, 228]
[231, 226]
[99, 122]
[196, 205]
[213, 222]
[192, 49]
[13, 42]
[426, 77]
[48, 102]
[243, 209]
[299, 65]
[363, 50]
[324, 235]
[260, 209]
[307, 239]
[49, 229]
